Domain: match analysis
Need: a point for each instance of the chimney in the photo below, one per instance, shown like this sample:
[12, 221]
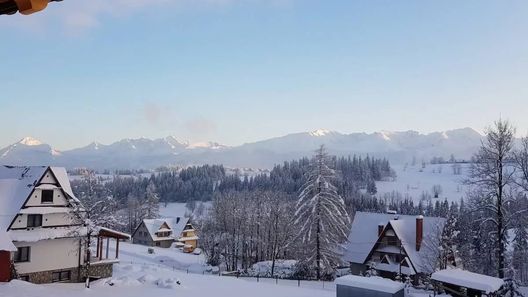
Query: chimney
[380, 229]
[419, 231]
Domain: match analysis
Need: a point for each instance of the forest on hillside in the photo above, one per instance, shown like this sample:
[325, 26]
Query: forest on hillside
[200, 183]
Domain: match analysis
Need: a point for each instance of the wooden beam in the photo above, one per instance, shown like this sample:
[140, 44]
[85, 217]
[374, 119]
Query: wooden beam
[101, 250]
[117, 248]
[98, 242]
[107, 246]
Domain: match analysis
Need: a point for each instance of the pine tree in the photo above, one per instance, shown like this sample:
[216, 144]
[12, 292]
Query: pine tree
[448, 252]
[321, 216]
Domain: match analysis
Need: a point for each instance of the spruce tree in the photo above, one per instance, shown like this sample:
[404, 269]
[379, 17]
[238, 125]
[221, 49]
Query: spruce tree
[321, 216]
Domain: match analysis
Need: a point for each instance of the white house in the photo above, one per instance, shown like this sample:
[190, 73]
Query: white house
[42, 227]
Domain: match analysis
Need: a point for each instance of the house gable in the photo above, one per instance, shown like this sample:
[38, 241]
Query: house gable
[55, 212]
[48, 178]
[164, 226]
[387, 238]
[141, 233]
[35, 198]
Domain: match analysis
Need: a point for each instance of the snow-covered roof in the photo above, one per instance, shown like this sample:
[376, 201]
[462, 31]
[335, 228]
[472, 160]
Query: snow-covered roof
[188, 238]
[374, 283]
[395, 267]
[466, 279]
[364, 235]
[176, 225]
[111, 231]
[6, 244]
[47, 233]
[16, 184]
[45, 210]
[62, 177]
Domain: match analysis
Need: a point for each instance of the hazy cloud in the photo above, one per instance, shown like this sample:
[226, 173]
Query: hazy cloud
[155, 114]
[200, 126]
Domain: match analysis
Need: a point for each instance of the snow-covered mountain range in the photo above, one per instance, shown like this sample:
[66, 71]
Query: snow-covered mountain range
[398, 147]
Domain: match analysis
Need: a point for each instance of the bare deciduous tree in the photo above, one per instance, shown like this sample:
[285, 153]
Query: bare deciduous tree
[491, 175]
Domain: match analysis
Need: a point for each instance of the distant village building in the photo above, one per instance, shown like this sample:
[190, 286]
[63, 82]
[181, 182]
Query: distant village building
[392, 244]
[42, 228]
[166, 231]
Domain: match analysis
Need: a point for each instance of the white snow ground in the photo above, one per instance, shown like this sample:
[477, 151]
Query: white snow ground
[173, 209]
[413, 181]
[177, 209]
[140, 274]
[154, 275]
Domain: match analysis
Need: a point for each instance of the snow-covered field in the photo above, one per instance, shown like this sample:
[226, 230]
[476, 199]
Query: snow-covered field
[173, 209]
[412, 181]
[177, 209]
[143, 275]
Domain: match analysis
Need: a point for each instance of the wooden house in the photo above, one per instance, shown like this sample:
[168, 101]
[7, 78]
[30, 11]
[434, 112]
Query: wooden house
[393, 244]
[165, 232]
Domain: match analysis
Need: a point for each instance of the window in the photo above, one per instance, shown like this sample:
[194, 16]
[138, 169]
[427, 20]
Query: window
[60, 276]
[404, 263]
[34, 220]
[157, 244]
[24, 278]
[392, 240]
[47, 196]
[22, 254]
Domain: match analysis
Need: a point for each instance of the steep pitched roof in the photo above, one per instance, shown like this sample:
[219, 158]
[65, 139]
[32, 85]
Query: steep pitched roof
[61, 175]
[364, 236]
[176, 225]
[16, 184]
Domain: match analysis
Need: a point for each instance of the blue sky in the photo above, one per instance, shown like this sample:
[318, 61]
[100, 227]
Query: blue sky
[237, 71]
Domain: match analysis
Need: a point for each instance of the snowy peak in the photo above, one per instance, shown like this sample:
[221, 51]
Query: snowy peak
[95, 145]
[386, 135]
[320, 132]
[174, 143]
[30, 141]
[206, 145]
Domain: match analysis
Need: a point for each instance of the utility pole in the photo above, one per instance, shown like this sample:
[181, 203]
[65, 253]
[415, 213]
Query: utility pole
[400, 259]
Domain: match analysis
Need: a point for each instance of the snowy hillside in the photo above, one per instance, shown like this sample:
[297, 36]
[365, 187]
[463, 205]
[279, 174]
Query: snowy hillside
[398, 147]
[176, 209]
[415, 182]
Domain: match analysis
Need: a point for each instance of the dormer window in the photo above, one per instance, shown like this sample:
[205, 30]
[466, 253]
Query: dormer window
[163, 233]
[34, 220]
[46, 196]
